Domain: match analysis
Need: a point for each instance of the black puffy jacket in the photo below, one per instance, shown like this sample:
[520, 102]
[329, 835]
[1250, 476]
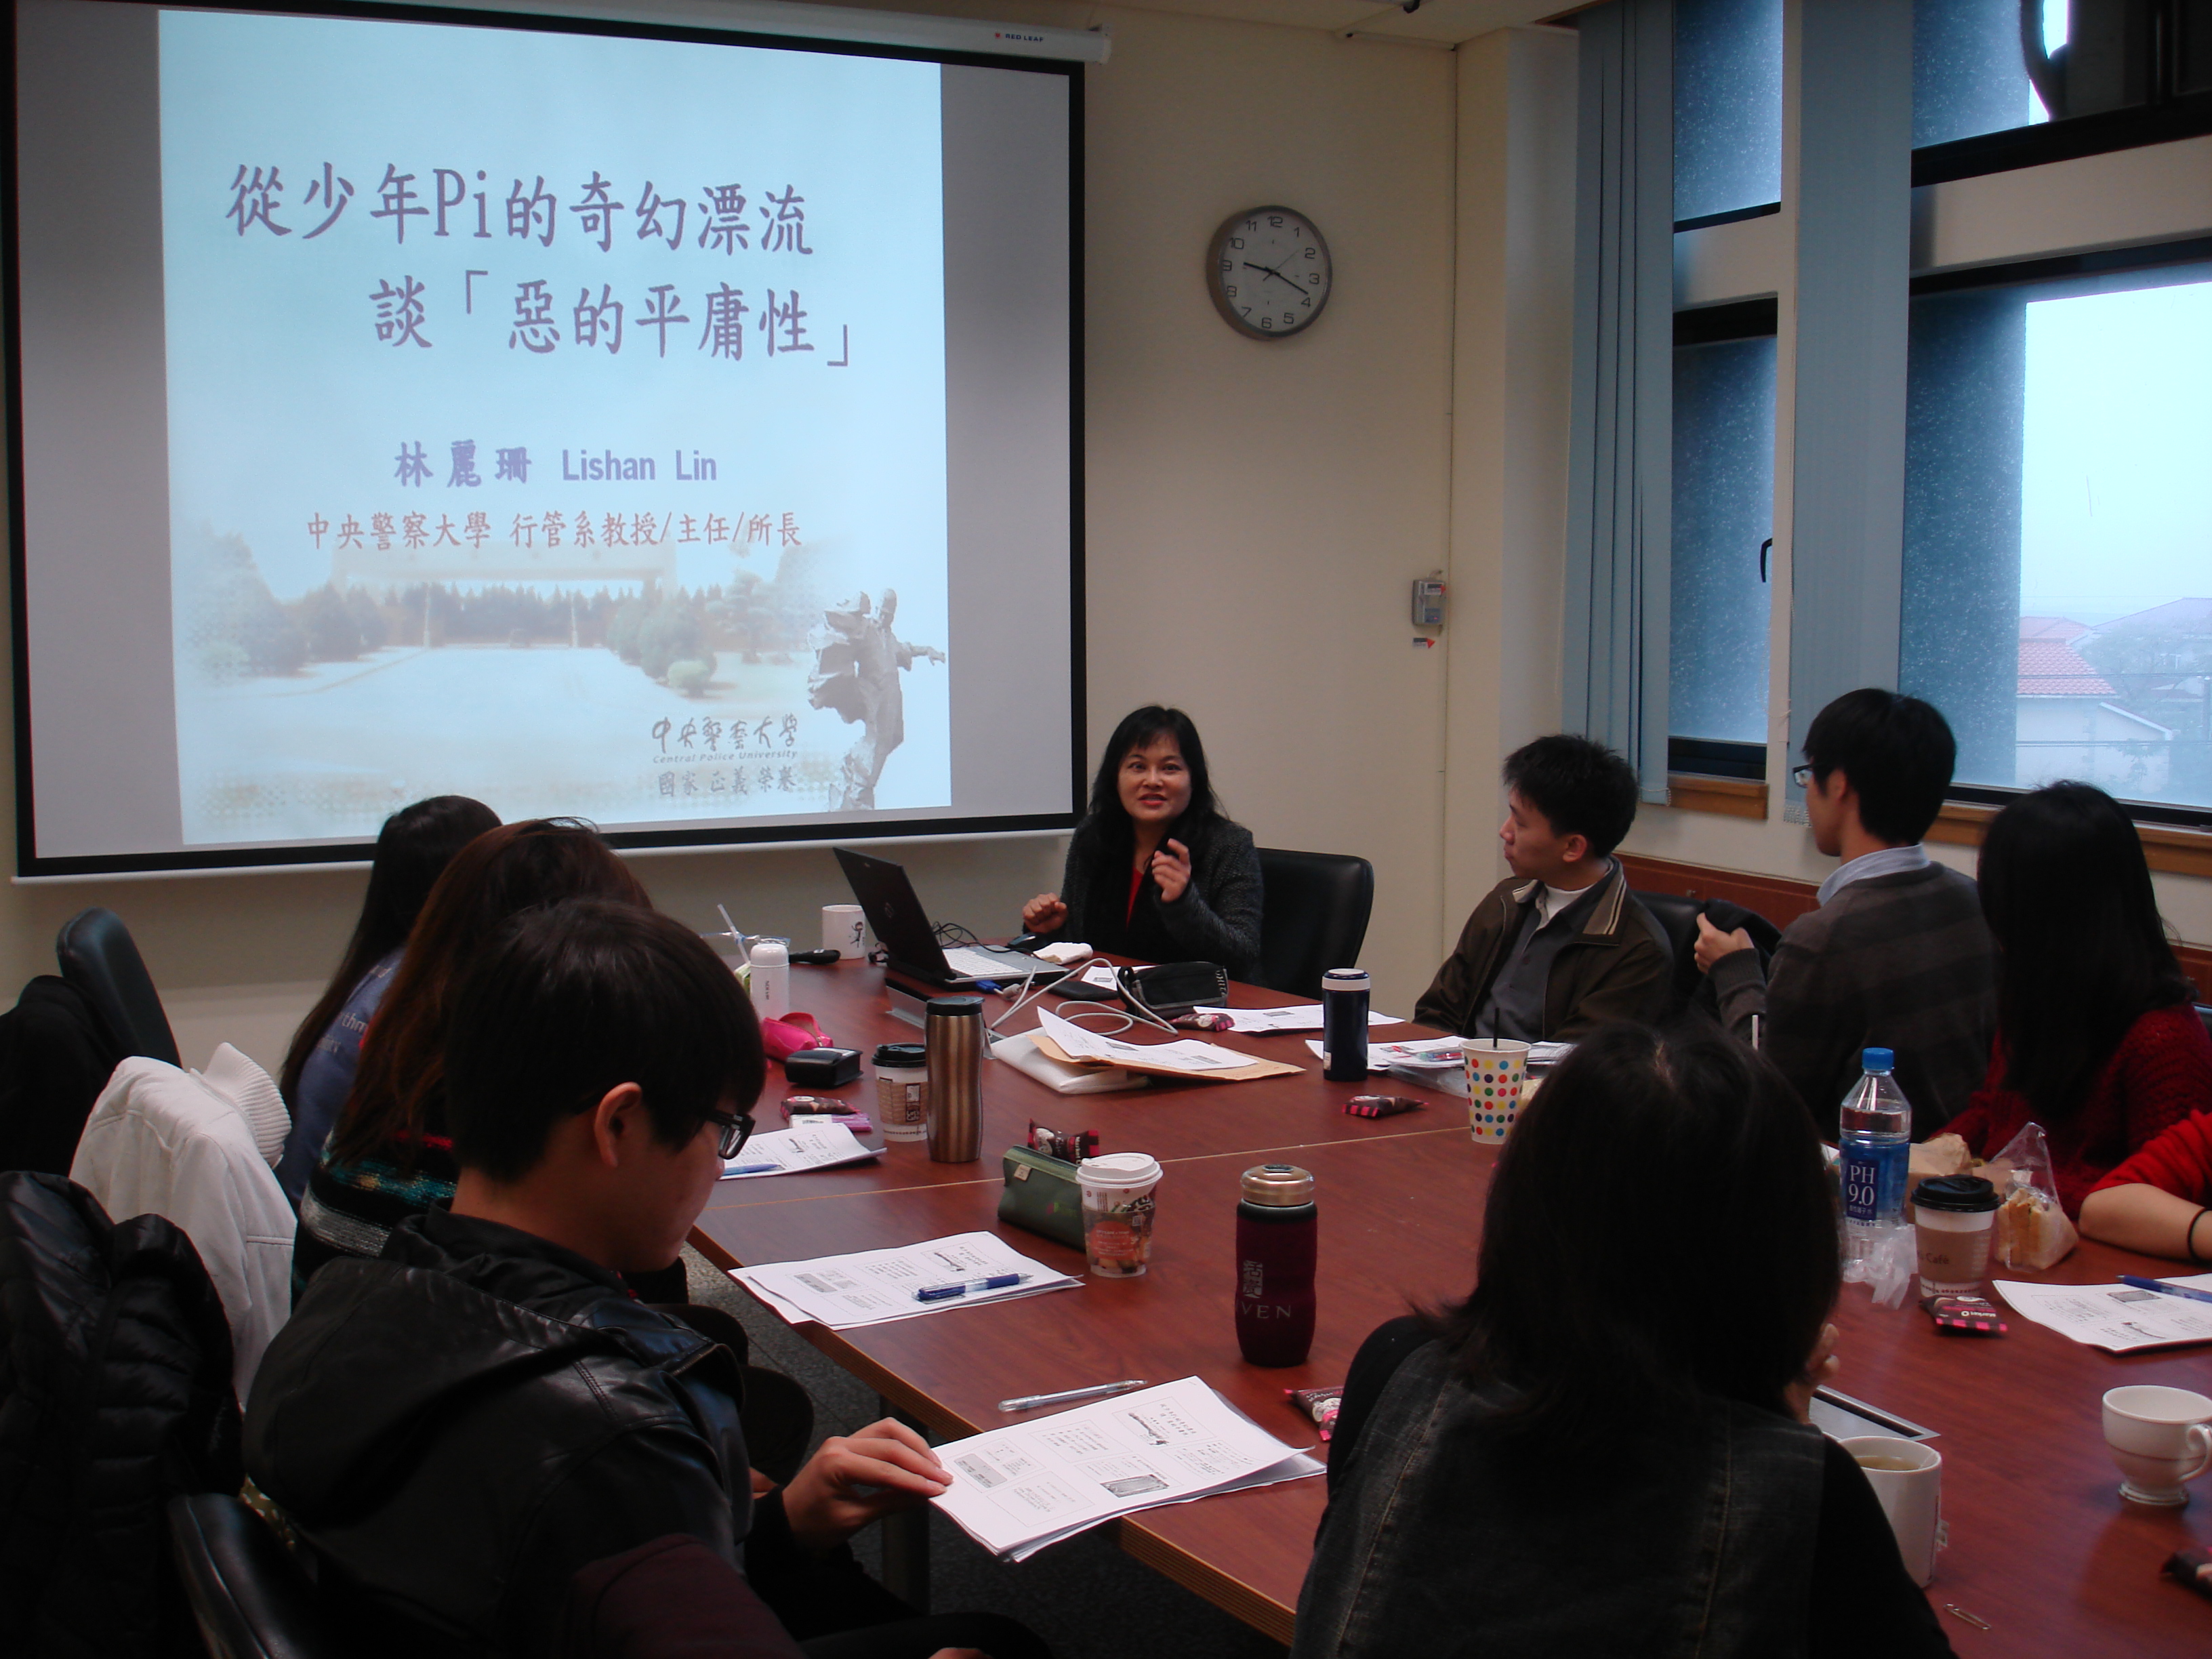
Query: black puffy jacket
[115, 1395]
[457, 1426]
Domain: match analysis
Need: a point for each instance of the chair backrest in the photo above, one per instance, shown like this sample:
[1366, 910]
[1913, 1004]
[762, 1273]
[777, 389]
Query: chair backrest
[1677, 915]
[1313, 916]
[248, 1596]
[99, 957]
[56, 1055]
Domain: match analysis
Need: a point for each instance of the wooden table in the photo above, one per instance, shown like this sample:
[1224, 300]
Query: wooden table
[2042, 1547]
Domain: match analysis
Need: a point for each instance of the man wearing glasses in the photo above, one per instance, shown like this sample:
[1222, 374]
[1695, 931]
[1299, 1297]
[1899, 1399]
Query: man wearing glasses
[1897, 955]
[454, 1429]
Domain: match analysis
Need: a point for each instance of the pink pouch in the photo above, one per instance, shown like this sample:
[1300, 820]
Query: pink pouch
[787, 1037]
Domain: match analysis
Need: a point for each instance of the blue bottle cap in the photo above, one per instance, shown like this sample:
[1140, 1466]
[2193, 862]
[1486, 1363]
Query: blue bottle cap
[1878, 1060]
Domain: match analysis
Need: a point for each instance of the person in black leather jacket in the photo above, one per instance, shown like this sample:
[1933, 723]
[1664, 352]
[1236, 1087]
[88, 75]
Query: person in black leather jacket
[454, 1429]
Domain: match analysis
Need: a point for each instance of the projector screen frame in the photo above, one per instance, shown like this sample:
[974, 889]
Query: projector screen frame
[353, 853]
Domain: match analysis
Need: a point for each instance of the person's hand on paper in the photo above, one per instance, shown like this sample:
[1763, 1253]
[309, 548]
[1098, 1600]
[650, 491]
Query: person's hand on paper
[855, 1480]
[1171, 871]
[1820, 1369]
[1043, 914]
[1713, 944]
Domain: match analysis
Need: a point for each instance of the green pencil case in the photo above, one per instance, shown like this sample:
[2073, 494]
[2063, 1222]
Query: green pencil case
[1042, 1196]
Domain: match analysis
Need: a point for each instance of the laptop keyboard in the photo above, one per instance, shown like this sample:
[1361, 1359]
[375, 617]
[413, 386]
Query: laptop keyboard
[979, 964]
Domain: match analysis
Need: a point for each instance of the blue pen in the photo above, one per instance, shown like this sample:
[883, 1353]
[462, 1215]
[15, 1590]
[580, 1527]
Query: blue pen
[2165, 1289]
[966, 1286]
[750, 1169]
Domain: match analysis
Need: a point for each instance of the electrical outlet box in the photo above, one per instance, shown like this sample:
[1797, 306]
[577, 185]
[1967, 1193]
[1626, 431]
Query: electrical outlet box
[1428, 603]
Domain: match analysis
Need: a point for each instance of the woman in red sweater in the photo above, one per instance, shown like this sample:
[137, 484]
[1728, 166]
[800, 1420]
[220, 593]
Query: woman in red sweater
[2097, 1039]
[2160, 1202]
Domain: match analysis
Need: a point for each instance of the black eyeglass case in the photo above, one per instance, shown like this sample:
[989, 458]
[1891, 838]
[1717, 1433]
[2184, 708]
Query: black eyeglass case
[823, 1068]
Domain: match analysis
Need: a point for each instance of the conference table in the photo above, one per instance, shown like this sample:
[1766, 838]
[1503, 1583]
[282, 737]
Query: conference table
[2044, 1556]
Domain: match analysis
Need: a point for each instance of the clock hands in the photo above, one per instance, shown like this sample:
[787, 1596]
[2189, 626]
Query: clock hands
[1270, 271]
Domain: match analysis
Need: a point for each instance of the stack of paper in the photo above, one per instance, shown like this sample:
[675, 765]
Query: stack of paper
[1427, 1054]
[1302, 1016]
[1016, 1489]
[871, 1287]
[783, 1151]
[1062, 1039]
[2118, 1317]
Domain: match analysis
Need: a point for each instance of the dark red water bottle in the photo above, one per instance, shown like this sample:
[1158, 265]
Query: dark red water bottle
[1277, 1227]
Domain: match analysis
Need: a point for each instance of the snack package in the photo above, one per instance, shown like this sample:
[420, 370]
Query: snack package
[2032, 1229]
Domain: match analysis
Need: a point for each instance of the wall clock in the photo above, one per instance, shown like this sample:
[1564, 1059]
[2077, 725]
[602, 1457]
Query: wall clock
[1267, 270]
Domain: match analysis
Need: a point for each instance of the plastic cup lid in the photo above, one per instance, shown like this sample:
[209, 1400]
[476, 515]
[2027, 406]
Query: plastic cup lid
[902, 1056]
[1963, 1195]
[1119, 1170]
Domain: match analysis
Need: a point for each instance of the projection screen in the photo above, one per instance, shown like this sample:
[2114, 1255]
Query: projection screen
[678, 429]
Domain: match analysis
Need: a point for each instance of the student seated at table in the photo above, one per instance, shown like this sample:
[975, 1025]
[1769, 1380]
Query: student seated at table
[1603, 1450]
[412, 850]
[389, 1155]
[455, 1429]
[1561, 945]
[2097, 1040]
[1154, 871]
[1896, 956]
[2157, 1201]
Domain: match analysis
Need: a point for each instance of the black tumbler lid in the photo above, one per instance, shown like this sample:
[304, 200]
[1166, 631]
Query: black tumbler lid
[956, 1007]
[1966, 1195]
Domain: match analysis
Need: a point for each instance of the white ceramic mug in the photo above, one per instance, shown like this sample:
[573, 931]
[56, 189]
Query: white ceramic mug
[1908, 1476]
[2160, 1437]
[844, 930]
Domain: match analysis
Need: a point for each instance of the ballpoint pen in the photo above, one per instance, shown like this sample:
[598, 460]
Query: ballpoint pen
[2165, 1289]
[967, 1286]
[750, 1169]
[1026, 1402]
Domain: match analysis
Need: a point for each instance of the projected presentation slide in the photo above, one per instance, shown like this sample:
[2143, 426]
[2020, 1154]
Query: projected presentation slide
[648, 429]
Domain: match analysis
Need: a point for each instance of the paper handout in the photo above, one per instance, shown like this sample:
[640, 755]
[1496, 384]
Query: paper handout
[784, 1151]
[2117, 1317]
[870, 1287]
[1017, 1489]
[1300, 1017]
[1061, 1038]
[1426, 1054]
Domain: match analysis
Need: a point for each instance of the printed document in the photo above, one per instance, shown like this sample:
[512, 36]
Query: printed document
[1016, 1489]
[871, 1287]
[784, 1151]
[1427, 1054]
[1188, 1056]
[1303, 1016]
[2118, 1317]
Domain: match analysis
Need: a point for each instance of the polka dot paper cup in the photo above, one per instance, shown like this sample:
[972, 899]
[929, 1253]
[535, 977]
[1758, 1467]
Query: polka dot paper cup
[1496, 1070]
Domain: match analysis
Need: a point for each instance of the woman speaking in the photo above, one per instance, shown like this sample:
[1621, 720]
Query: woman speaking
[1155, 872]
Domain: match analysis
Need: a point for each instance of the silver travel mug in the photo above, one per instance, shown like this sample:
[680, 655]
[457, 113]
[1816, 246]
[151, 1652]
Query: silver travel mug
[952, 1033]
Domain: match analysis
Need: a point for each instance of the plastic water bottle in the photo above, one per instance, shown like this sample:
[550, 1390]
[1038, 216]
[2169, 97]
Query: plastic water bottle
[1875, 1142]
[771, 985]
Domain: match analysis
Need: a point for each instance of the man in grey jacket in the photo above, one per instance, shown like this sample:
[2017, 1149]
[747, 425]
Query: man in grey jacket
[1897, 956]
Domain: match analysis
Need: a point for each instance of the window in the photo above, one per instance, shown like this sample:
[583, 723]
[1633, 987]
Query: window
[1723, 534]
[1727, 109]
[2057, 599]
[2006, 84]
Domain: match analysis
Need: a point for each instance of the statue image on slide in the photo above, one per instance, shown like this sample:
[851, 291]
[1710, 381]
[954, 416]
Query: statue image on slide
[857, 663]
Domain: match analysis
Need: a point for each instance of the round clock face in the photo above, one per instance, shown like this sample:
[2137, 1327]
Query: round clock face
[1268, 272]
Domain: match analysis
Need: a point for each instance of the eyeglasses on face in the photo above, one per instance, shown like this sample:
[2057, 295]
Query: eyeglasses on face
[1801, 775]
[733, 1130]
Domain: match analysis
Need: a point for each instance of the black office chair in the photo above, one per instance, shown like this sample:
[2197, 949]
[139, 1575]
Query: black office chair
[1677, 915]
[1313, 916]
[99, 959]
[248, 1595]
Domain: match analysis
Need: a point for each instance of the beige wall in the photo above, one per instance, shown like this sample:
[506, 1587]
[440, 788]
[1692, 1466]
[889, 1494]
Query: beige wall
[1256, 512]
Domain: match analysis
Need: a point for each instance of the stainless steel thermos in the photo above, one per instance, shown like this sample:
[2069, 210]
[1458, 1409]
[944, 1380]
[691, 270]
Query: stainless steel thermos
[952, 1035]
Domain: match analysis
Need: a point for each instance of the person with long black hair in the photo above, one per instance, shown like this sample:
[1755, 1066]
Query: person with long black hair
[412, 851]
[2097, 1040]
[1586, 1455]
[1155, 872]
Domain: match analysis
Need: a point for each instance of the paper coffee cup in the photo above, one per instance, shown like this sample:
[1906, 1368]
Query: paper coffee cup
[1908, 1476]
[1117, 1212]
[1954, 1217]
[2161, 1438]
[844, 930]
[1495, 1069]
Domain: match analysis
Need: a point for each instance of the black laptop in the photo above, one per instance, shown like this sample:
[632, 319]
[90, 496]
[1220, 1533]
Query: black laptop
[886, 898]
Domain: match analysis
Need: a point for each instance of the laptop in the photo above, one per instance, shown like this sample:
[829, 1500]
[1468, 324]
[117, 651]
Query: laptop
[886, 898]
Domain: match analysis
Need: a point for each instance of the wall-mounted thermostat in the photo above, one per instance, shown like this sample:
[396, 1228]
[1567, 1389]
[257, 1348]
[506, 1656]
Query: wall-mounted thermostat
[1428, 603]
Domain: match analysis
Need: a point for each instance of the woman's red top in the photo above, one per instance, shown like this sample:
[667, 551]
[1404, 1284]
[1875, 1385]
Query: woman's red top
[2160, 1075]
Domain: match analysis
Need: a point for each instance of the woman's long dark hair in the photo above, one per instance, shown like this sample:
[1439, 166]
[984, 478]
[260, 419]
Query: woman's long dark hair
[412, 850]
[1659, 1227]
[2082, 954]
[1108, 825]
[400, 1087]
